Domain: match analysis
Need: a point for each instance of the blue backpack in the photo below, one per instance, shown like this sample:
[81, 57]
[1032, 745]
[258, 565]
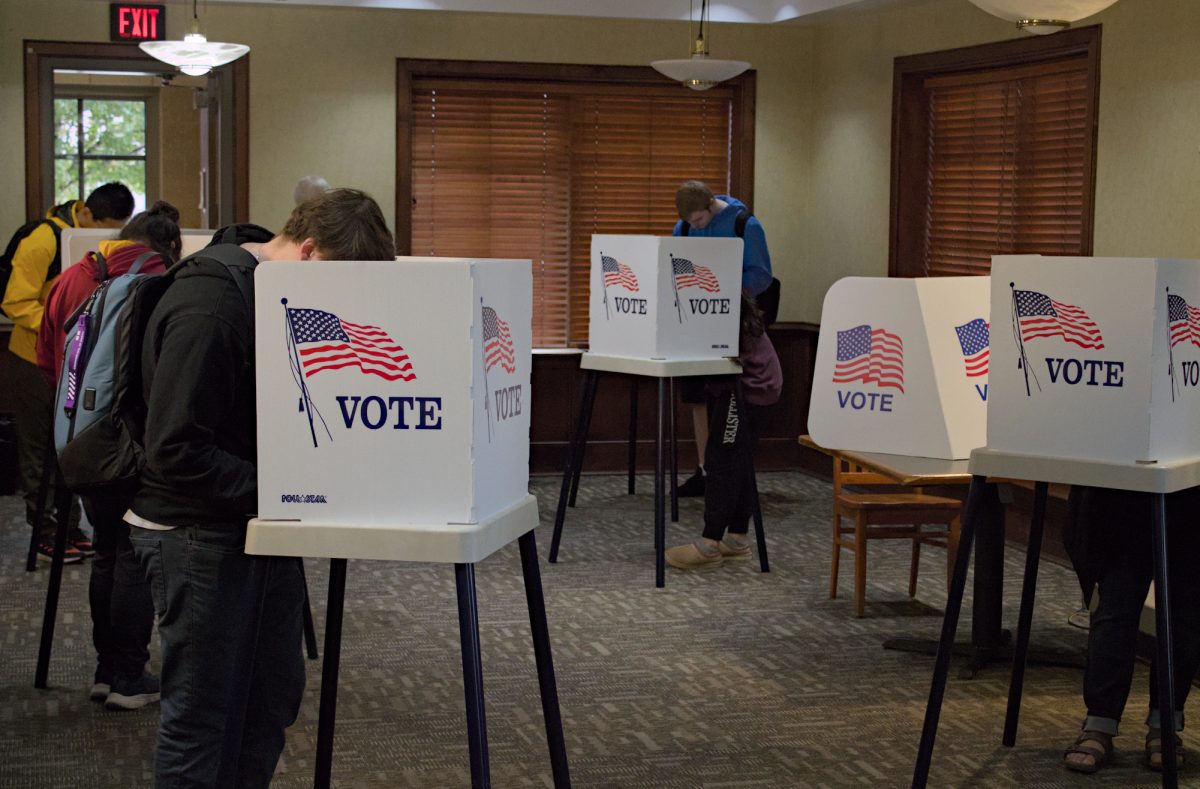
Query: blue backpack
[99, 410]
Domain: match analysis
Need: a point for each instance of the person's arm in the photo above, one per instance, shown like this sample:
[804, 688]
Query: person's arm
[193, 393]
[30, 264]
[756, 260]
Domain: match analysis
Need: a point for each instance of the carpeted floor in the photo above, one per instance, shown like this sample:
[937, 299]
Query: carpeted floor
[729, 678]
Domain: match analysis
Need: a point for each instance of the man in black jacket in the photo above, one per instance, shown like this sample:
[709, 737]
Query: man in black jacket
[232, 674]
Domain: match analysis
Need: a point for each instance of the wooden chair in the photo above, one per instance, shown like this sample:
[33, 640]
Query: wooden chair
[904, 516]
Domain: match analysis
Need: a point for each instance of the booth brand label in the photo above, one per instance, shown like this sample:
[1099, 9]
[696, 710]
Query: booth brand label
[1037, 315]
[974, 338]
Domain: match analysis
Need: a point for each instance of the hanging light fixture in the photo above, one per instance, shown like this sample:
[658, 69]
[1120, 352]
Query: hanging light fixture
[195, 55]
[700, 72]
[1043, 16]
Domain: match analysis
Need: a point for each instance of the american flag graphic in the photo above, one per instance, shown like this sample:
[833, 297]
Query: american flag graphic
[333, 343]
[1041, 316]
[617, 273]
[691, 275]
[497, 343]
[1183, 320]
[974, 339]
[871, 356]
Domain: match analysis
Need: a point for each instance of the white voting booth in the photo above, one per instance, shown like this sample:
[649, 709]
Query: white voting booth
[76, 242]
[393, 408]
[902, 366]
[665, 298]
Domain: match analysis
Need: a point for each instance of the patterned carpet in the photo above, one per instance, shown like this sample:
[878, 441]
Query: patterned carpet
[729, 678]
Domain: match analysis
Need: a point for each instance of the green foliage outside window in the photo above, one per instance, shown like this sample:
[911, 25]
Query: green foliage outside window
[96, 141]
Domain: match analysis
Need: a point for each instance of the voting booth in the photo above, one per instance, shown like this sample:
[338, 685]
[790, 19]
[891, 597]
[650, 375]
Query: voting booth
[665, 298]
[76, 242]
[1099, 358]
[902, 366]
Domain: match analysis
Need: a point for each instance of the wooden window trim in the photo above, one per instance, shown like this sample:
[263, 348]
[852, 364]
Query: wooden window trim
[910, 163]
[741, 166]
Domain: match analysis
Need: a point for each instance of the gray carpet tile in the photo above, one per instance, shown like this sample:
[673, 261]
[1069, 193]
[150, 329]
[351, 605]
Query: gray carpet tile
[727, 678]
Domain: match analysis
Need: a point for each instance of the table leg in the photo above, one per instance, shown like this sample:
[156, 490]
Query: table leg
[545, 662]
[1164, 648]
[468, 629]
[674, 454]
[49, 464]
[1025, 619]
[660, 526]
[941, 668]
[62, 504]
[633, 418]
[329, 672]
[589, 392]
[574, 458]
[310, 630]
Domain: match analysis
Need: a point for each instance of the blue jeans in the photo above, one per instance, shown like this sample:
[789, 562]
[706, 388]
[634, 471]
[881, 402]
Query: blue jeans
[122, 612]
[228, 668]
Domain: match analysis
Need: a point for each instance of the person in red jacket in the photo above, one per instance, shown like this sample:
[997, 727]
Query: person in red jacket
[122, 609]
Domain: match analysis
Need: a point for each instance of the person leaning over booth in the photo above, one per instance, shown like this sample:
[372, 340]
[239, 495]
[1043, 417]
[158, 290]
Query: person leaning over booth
[122, 613]
[227, 666]
[705, 215]
[23, 301]
[1109, 539]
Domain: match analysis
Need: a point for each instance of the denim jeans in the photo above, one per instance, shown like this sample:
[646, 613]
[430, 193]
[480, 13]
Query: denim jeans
[1124, 583]
[122, 612]
[227, 666]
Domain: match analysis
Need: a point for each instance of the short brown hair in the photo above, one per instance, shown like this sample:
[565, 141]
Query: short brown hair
[693, 196]
[345, 224]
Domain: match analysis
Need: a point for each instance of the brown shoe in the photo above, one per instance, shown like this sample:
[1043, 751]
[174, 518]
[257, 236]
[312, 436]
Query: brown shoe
[691, 557]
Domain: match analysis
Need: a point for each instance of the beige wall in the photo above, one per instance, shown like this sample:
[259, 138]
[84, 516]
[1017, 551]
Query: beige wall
[323, 101]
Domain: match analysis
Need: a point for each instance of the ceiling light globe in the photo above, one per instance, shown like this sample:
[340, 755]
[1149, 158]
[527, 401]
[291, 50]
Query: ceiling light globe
[195, 71]
[1043, 16]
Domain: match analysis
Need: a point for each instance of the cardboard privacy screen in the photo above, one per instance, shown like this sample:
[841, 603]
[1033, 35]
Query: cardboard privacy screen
[902, 366]
[1098, 358]
[665, 298]
[393, 392]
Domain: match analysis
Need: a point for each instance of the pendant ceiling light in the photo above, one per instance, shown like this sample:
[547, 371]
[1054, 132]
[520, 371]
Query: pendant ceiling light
[1043, 16]
[700, 72]
[195, 55]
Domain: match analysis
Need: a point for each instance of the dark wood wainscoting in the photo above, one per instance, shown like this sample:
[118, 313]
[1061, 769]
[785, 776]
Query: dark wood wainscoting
[557, 381]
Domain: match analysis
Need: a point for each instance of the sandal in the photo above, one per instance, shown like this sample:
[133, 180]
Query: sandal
[1086, 745]
[1154, 750]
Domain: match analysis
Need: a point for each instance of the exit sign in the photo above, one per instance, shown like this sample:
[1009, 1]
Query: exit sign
[137, 22]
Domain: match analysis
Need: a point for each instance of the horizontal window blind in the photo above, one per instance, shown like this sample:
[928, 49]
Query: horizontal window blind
[1008, 165]
[532, 170]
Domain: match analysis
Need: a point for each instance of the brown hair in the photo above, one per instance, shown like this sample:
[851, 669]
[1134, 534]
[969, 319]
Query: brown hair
[157, 228]
[693, 196]
[345, 224]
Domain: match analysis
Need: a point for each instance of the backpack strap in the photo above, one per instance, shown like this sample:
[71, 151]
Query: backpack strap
[684, 227]
[137, 264]
[739, 224]
[55, 264]
[102, 264]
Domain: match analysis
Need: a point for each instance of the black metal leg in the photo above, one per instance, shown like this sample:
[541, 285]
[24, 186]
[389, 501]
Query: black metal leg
[39, 513]
[468, 630]
[574, 458]
[949, 624]
[329, 672]
[1164, 652]
[545, 661]
[50, 614]
[674, 454]
[660, 526]
[589, 392]
[310, 630]
[1025, 619]
[633, 418]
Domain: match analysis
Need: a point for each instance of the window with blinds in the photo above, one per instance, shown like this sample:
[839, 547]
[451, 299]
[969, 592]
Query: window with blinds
[994, 160]
[528, 169]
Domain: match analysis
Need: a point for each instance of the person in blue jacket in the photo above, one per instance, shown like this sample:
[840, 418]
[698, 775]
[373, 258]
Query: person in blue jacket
[705, 215]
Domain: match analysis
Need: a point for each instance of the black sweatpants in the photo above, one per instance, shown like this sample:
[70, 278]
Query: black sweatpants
[728, 464]
[33, 403]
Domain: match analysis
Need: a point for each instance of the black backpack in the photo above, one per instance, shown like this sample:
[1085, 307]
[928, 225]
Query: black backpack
[6, 265]
[768, 300]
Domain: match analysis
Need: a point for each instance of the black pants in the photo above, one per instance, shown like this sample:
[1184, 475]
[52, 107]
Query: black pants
[122, 609]
[1125, 576]
[728, 464]
[32, 403]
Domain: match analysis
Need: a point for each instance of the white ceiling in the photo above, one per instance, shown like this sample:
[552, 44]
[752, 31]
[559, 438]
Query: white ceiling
[747, 11]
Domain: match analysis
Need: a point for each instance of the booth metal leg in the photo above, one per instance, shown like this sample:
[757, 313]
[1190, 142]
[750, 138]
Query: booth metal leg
[39, 513]
[633, 418]
[50, 614]
[574, 458]
[674, 454]
[1025, 619]
[310, 630]
[590, 393]
[545, 661]
[941, 666]
[1164, 650]
[468, 629]
[660, 526]
[329, 672]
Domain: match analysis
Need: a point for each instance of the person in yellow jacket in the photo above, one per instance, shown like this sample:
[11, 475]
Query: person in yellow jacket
[24, 300]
